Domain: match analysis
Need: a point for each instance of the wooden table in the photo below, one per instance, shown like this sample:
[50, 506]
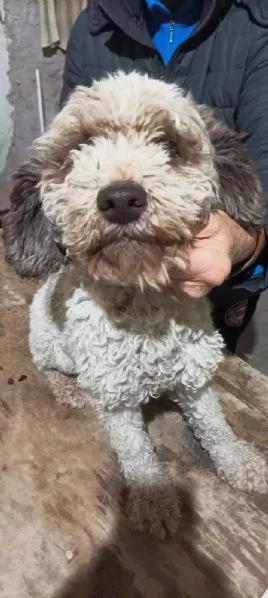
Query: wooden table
[63, 534]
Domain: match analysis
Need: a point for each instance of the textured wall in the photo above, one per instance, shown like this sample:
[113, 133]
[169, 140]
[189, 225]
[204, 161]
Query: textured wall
[25, 55]
[6, 112]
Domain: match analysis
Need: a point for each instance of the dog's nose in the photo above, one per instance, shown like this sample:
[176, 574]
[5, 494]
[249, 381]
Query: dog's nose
[122, 202]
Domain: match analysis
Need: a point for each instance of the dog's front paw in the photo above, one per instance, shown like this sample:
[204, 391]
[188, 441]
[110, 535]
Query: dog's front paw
[244, 468]
[66, 390]
[154, 509]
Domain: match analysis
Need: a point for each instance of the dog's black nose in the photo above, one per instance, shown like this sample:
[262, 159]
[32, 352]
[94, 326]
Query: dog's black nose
[122, 202]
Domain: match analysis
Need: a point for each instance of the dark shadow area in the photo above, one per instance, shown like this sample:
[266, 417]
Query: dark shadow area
[49, 51]
[136, 565]
[155, 408]
[163, 405]
[248, 340]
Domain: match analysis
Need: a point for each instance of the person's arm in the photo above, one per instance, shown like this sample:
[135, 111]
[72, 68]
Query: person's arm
[74, 71]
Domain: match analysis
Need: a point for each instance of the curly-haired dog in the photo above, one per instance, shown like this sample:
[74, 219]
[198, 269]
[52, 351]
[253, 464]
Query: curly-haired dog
[126, 173]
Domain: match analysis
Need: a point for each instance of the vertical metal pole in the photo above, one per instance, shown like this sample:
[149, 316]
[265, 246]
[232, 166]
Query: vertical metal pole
[40, 101]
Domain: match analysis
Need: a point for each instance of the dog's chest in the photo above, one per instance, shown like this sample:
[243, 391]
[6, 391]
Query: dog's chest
[130, 363]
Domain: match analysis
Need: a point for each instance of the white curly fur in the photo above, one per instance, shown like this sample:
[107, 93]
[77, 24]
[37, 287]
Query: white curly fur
[124, 340]
[127, 347]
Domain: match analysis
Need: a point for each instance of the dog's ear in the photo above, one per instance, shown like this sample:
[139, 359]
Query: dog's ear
[28, 236]
[240, 189]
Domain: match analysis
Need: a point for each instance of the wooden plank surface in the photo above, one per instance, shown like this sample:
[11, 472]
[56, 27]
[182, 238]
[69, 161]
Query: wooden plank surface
[64, 532]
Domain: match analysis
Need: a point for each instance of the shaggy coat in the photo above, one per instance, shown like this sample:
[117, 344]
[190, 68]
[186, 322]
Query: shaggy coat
[106, 317]
[158, 120]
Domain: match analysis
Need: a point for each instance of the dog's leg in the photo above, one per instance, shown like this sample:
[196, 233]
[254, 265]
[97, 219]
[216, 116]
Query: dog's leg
[237, 461]
[153, 502]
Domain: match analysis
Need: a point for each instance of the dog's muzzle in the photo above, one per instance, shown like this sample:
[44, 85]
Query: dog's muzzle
[122, 202]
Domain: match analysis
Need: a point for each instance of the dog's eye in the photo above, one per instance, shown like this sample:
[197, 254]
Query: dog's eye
[168, 144]
[171, 148]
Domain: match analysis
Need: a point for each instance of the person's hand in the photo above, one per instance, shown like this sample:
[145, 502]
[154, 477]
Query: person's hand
[221, 244]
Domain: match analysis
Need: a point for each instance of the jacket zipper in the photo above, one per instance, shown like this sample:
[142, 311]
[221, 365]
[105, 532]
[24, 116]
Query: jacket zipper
[171, 63]
[167, 70]
[171, 31]
[175, 55]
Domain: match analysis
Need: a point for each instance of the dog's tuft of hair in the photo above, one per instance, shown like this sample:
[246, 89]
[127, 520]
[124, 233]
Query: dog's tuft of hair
[127, 128]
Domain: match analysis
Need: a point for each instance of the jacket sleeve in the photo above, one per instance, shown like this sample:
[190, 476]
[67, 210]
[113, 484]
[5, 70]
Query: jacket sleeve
[74, 72]
[252, 109]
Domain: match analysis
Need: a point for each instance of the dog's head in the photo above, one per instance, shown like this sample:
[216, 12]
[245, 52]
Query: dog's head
[129, 170]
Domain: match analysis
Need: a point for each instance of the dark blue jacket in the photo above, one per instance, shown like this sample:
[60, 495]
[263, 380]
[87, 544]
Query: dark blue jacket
[224, 63]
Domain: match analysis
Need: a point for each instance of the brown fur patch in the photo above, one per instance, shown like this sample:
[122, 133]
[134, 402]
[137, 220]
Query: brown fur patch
[135, 263]
[57, 153]
[57, 172]
[159, 125]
